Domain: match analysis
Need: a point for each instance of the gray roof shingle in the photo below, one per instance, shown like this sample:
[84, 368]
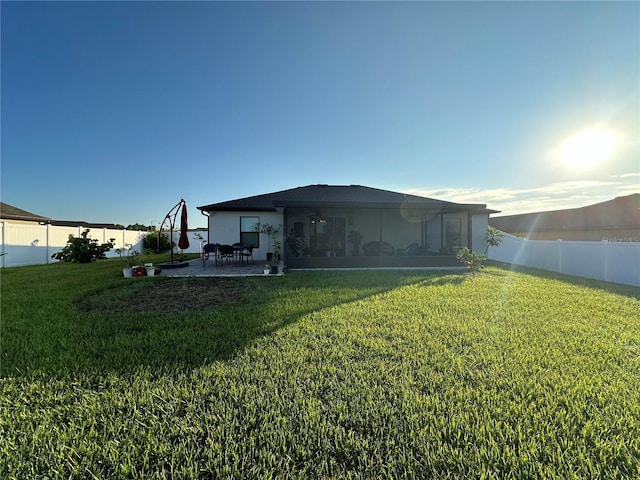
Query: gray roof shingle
[9, 212]
[335, 195]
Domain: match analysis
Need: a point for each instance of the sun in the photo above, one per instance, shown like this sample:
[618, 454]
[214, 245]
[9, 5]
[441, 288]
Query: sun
[588, 148]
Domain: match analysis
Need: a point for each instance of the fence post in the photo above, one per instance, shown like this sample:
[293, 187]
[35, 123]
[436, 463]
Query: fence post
[46, 243]
[3, 253]
[605, 260]
[559, 242]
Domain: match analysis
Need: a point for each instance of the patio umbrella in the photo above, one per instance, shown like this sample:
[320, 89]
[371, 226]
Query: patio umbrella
[183, 242]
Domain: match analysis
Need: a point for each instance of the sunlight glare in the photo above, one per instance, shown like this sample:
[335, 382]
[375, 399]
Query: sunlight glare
[587, 148]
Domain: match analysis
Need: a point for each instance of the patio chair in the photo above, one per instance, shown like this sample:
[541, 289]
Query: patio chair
[227, 252]
[247, 253]
[207, 250]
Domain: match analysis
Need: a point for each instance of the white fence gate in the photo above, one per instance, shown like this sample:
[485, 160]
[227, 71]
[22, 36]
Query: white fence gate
[617, 262]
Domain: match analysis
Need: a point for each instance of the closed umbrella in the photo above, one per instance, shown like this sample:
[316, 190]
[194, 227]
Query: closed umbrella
[183, 242]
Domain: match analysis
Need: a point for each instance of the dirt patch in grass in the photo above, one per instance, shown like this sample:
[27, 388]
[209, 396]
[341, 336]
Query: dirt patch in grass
[167, 296]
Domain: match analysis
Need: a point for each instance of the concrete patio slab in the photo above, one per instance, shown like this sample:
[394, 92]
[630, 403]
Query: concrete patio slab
[209, 269]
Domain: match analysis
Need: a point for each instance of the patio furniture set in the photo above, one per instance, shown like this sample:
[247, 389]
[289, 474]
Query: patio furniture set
[236, 254]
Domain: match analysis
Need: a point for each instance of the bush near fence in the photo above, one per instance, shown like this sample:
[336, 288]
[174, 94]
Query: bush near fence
[26, 244]
[33, 244]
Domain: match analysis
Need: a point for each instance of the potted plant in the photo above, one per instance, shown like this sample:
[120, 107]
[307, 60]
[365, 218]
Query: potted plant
[276, 250]
[151, 270]
[272, 232]
[267, 269]
[128, 261]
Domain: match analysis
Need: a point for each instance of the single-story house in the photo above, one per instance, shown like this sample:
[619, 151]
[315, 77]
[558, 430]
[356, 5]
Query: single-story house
[17, 215]
[616, 220]
[336, 226]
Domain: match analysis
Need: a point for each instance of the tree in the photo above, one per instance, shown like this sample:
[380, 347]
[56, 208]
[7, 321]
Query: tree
[272, 232]
[151, 242]
[83, 249]
[493, 237]
[141, 227]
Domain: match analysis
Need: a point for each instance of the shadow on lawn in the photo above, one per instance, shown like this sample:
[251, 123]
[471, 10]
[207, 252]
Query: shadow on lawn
[214, 319]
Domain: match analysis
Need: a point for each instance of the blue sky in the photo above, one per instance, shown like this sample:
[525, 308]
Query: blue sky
[113, 111]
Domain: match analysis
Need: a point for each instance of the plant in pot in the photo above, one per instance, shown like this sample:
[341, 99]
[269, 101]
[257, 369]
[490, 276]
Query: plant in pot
[151, 270]
[271, 231]
[128, 258]
[276, 255]
[267, 269]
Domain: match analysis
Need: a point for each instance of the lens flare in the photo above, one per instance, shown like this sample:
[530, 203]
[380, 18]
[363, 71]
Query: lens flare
[588, 148]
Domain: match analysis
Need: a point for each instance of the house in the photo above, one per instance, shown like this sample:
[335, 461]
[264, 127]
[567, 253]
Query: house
[337, 226]
[13, 214]
[616, 220]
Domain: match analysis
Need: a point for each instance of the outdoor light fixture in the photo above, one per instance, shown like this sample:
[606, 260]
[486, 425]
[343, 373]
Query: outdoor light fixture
[318, 218]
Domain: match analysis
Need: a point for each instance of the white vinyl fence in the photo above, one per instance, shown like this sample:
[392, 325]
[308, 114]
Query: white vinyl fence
[26, 244]
[617, 262]
[32, 244]
[197, 238]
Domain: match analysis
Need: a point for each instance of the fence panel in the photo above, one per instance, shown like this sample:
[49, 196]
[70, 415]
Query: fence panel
[24, 244]
[196, 240]
[31, 244]
[609, 261]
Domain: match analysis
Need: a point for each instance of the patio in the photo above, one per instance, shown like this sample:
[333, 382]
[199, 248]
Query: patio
[196, 269]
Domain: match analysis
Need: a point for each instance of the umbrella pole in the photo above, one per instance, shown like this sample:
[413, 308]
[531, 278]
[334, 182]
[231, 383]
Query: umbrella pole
[171, 217]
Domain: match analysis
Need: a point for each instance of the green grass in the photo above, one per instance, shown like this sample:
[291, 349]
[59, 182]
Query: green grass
[511, 374]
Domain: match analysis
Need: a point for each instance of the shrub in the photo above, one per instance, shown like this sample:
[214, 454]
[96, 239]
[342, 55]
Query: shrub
[150, 242]
[83, 249]
[473, 261]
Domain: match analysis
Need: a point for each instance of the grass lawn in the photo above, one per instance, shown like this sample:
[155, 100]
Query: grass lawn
[377, 374]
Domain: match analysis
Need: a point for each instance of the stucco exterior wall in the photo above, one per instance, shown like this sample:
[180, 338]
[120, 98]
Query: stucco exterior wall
[224, 228]
[479, 225]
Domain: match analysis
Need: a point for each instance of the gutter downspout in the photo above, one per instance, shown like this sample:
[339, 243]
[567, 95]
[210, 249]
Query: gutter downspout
[206, 214]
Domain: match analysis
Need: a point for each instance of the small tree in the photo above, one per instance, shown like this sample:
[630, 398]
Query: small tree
[83, 249]
[272, 232]
[474, 261]
[493, 237]
[150, 242]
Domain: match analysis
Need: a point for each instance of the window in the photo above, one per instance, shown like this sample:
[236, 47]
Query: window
[248, 231]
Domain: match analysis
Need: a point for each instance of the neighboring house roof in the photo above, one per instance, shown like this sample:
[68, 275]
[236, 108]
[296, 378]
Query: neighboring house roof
[80, 223]
[338, 196]
[621, 212]
[9, 212]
